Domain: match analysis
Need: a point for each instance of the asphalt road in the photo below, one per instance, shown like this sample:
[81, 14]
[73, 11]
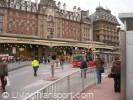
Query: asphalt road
[23, 81]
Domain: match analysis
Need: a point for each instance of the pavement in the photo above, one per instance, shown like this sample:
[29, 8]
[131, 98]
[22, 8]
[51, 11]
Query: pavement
[102, 91]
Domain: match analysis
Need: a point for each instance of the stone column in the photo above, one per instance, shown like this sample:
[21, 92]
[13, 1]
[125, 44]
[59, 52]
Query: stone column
[39, 51]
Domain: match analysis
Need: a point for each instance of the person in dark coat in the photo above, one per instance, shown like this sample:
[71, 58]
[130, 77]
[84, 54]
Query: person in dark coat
[83, 67]
[3, 73]
[98, 64]
[116, 70]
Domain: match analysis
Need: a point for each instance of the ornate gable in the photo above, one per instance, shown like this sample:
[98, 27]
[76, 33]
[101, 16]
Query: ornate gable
[58, 13]
[3, 3]
[87, 20]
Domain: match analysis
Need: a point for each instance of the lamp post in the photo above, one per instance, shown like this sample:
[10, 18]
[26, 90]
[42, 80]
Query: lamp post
[1, 30]
[118, 30]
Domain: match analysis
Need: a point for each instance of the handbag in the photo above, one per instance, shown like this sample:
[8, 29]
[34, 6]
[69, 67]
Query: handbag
[58, 64]
[8, 83]
[111, 75]
[102, 69]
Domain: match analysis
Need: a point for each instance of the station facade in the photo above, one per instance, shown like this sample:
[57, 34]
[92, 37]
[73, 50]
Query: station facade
[29, 29]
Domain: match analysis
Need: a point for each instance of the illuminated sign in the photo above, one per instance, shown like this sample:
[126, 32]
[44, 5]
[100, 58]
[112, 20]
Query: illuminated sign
[13, 50]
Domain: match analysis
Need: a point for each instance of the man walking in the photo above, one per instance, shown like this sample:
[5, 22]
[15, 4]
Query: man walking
[3, 73]
[99, 64]
[35, 65]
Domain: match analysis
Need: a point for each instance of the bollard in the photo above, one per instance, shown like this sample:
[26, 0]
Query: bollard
[52, 70]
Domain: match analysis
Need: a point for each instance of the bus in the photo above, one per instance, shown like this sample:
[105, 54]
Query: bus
[107, 56]
[79, 56]
[77, 59]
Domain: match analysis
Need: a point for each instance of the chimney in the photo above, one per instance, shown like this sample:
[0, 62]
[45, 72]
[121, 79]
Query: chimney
[59, 5]
[78, 10]
[30, 2]
[74, 9]
[64, 6]
[87, 13]
[36, 4]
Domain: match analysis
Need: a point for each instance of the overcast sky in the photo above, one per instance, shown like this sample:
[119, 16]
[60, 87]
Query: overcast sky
[116, 6]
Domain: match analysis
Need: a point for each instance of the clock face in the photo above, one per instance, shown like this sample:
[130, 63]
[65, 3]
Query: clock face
[50, 11]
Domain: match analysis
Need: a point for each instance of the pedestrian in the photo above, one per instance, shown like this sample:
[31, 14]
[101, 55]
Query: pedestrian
[99, 65]
[116, 70]
[83, 67]
[3, 73]
[35, 65]
[62, 62]
[68, 59]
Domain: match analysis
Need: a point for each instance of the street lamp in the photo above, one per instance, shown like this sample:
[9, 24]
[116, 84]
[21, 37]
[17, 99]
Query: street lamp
[1, 30]
[118, 31]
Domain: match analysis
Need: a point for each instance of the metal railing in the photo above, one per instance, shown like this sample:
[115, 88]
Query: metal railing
[17, 65]
[66, 87]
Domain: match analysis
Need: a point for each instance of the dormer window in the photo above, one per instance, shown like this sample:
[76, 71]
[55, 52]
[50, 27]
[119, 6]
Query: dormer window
[23, 6]
[11, 4]
[17, 6]
[28, 6]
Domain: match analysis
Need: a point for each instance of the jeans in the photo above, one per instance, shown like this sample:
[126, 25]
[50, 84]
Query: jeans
[98, 74]
[83, 73]
[62, 64]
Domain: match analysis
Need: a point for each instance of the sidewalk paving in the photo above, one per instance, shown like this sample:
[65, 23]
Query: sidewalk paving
[103, 91]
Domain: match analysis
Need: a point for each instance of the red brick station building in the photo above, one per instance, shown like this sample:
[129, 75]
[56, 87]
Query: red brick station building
[29, 29]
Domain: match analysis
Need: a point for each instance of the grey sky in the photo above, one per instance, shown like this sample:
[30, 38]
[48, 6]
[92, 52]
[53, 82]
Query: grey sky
[116, 6]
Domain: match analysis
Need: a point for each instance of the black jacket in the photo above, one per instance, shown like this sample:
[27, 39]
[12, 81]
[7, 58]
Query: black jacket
[83, 65]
